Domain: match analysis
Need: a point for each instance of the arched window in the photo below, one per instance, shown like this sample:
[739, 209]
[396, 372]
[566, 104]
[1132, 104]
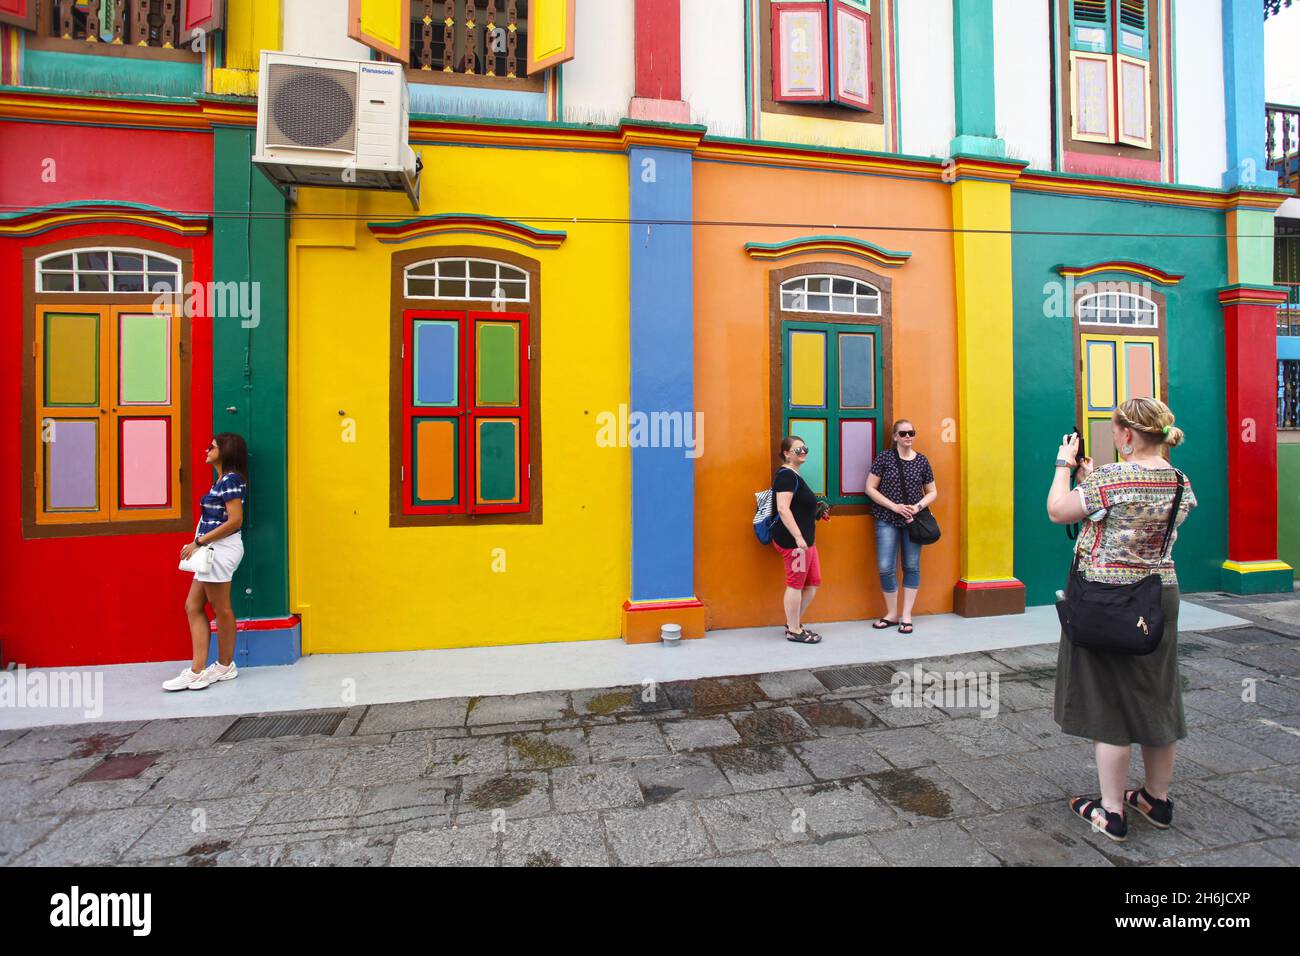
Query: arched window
[1120, 337]
[109, 393]
[1118, 309]
[107, 270]
[839, 295]
[466, 440]
[830, 372]
[466, 280]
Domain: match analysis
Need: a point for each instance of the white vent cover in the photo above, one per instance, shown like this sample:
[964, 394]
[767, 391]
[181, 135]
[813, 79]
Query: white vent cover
[313, 107]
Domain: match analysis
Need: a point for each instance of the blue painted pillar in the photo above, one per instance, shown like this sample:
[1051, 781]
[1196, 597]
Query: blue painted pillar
[662, 382]
[1243, 81]
[975, 100]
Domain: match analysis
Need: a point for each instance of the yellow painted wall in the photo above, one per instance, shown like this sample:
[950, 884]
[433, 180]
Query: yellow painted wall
[363, 586]
[984, 358]
[788, 128]
[251, 26]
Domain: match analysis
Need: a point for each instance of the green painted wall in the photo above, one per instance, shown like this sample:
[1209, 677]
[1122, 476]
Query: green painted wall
[250, 363]
[110, 74]
[1045, 375]
[1288, 505]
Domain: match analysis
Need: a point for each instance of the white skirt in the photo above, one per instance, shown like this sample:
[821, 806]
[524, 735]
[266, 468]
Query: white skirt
[226, 555]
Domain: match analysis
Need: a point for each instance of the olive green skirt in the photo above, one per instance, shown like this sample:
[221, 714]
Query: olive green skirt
[1119, 698]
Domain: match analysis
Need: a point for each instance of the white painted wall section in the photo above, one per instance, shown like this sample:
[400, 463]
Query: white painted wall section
[1022, 50]
[1198, 93]
[925, 64]
[601, 77]
[713, 64]
[320, 28]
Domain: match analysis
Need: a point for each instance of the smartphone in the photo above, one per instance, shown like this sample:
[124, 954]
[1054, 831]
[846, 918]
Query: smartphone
[1083, 452]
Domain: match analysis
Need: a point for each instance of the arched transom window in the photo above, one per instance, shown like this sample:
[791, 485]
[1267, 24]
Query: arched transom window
[107, 270]
[1118, 309]
[838, 295]
[466, 280]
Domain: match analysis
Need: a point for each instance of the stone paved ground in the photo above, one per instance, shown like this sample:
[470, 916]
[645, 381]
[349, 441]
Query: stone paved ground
[770, 769]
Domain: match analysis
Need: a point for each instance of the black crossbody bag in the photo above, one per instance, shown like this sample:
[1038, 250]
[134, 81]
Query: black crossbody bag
[924, 527]
[1119, 618]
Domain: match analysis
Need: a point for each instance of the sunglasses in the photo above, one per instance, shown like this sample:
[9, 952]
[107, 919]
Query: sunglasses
[907, 434]
[801, 450]
[212, 447]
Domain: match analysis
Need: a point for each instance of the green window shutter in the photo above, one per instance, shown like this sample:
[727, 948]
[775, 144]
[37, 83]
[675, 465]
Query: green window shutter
[1134, 31]
[1090, 26]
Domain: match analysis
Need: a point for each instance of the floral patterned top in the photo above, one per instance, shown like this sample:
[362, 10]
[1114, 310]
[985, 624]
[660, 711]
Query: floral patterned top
[1128, 509]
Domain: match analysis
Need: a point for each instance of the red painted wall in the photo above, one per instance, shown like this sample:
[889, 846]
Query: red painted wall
[658, 49]
[96, 599]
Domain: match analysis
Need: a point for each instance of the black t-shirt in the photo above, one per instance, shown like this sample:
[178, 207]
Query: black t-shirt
[803, 506]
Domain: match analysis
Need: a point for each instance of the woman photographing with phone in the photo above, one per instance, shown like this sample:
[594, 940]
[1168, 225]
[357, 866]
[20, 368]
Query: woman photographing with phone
[1130, 510]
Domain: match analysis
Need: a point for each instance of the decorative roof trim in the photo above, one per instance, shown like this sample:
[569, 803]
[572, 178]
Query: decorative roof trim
[1121, 265]
[39, 219]
[452, 223]
[820, 245]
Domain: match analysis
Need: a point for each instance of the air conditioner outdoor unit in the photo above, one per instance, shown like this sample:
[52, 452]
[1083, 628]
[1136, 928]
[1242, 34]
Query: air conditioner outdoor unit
[340, 123]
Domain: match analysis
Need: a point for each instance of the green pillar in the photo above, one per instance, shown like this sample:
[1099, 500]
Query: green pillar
[973, 80]
[250, 361]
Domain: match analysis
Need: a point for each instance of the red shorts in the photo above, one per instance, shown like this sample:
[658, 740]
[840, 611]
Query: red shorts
[804, 571]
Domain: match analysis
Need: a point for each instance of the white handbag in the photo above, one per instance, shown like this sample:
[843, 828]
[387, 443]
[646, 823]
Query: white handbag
[200, 561]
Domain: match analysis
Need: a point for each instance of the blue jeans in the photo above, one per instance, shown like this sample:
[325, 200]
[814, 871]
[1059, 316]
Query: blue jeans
[889, 538]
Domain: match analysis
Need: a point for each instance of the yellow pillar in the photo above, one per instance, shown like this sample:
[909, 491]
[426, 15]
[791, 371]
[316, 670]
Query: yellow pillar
[981, 200]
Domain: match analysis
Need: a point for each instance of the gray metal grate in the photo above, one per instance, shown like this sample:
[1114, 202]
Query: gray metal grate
[283, 725]
[860, 675]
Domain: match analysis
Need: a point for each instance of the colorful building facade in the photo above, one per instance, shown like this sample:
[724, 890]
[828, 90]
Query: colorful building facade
[652, 237]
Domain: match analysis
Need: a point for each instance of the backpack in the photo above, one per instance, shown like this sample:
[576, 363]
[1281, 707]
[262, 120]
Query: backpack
[765, 514]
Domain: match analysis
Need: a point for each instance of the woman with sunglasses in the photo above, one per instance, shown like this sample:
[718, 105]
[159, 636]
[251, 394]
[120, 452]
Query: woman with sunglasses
[793, 537]
[222, 517]
[900, 484]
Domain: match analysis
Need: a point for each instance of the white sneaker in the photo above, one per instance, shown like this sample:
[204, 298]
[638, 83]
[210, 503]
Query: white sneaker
[188, 680]
[215, 672]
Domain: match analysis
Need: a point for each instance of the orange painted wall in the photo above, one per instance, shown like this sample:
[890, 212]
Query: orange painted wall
[739, 581]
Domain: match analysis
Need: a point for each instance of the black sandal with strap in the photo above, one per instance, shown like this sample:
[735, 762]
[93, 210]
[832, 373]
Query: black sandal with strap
[1161, 812]
[1115, 828]
[803, 636]
[883, 623]
[905, 627]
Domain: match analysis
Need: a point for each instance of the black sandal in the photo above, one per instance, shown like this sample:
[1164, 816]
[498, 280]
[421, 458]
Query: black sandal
[1115, 828]
[1161, 814]
[804, 636]
[883, 623]
[905, 627]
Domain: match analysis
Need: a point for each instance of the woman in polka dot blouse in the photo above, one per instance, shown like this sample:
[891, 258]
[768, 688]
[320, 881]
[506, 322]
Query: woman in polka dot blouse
[900, 484]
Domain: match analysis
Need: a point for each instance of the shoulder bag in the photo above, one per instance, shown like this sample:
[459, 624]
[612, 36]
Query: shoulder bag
[924, 527]
[765, 514]
[1119, 618]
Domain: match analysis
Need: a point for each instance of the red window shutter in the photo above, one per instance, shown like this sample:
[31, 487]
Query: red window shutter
[800, 55]
[208, 15]
[497, 397]
[18, 13]
[850, 55]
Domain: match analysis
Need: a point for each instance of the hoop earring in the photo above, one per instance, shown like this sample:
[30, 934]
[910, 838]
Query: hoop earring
[1126, 450]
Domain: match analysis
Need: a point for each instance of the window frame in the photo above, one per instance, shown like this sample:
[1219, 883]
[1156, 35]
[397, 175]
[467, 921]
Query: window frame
[874, 114]
[1116, 145]
[405, 310]
[779, 319]
[428, 76]
[1121, 334]
[106, 521]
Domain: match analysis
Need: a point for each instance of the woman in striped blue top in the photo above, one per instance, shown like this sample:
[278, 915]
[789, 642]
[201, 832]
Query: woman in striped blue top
[218, 529]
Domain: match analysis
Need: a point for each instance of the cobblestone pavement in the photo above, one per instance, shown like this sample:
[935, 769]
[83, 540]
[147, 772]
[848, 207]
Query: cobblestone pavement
[769, 769]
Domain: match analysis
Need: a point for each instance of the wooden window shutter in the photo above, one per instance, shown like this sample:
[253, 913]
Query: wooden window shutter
[208, 15]
[1090, 26]
[1133, 36]
[800, 58]
[1133, 74]
[1092, 97]
[382, 25]
[850, 47]
[18, 13]
[550, 34]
